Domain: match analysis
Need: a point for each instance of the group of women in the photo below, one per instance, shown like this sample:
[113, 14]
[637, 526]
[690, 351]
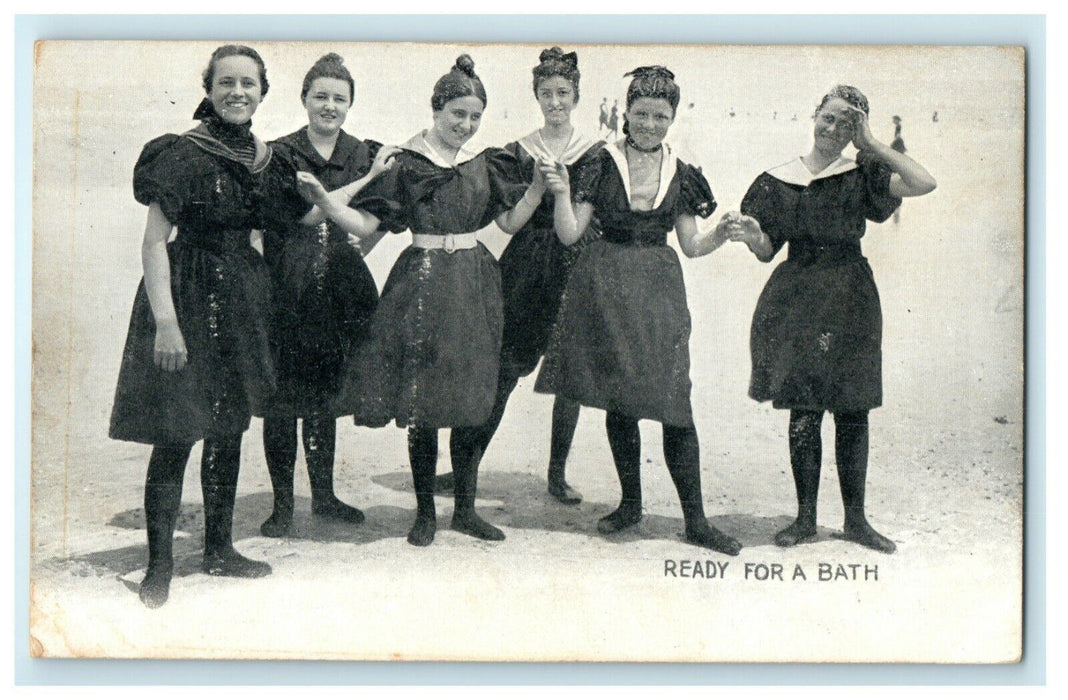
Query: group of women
[262, 305]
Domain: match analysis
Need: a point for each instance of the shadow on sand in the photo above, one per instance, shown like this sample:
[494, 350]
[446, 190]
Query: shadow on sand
[508, 499]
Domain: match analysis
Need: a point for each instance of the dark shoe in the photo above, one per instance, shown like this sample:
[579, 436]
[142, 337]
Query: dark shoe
[628, 514]
[702, 534]
[423, 531]
[864, 534]
[278, 524]
[334, 509]
[230, 563]
[156, 586]
[470, 523]
[564, 493]
[796, 532]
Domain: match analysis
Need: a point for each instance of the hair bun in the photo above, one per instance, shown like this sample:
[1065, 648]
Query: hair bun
[465, 64]
[331, 58]
[651, 72]
[555, 53]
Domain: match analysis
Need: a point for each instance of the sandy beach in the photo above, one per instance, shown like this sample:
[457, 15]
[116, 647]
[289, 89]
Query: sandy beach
[946, 469]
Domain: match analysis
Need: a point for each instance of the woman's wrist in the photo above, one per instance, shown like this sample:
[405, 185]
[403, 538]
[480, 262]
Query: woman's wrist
[534, 195]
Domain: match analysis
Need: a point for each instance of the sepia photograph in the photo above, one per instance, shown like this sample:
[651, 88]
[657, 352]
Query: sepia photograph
[527, 352]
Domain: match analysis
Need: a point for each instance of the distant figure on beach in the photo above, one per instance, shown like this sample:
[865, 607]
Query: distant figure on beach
[732, 112]
[613, 119]
[934, 117]
[898, 144]
[602, 120]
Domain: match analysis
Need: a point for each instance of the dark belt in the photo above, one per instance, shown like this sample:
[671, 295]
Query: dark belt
[636, 239]
[809, 253]
[217, 241]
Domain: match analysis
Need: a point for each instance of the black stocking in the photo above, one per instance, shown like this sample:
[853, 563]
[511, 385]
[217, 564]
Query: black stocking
[320, 436]
[626, 442]
[806, 455]
[163, 497]
[467, 444]
[280, 449]
[565, 420]
[851, 453]
[683, 456]
[423, 454]
[219, 467]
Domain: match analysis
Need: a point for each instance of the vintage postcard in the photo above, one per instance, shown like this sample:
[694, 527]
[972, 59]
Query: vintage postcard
[580, 242]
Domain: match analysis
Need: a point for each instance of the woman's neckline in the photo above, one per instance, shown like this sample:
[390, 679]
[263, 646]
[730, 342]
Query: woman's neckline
[567, 142]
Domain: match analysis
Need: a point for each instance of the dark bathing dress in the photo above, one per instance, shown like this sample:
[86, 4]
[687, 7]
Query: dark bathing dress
[433, 353]
[324, 295]
[219, 285]
[536, 265]
[817, 329]
[621, 342]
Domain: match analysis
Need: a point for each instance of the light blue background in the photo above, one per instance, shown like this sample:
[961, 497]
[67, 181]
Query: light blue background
[1028, 31]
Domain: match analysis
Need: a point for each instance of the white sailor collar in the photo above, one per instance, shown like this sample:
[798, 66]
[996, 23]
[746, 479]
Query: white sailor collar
[420, 145]
[795, 172]
[668, 165]
[577, 146]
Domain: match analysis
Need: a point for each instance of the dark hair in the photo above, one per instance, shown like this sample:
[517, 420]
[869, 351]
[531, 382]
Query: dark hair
[329, 66]
[656, 82]
[554, 62]
[845, 92]
[460, 81]
[235, 50]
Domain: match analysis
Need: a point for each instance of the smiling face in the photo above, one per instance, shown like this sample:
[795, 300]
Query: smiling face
[235, 89]
[458, 120]
[328, 103]
[835, 121]
[556, 97]
[648, 119]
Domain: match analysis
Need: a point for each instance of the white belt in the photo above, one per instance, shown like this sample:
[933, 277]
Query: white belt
[450, 242]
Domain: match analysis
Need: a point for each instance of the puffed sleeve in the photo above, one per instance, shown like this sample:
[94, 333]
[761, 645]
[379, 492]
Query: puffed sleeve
[879, 203]
[585, 174]
[696, 195]
[371, 149]
[508, 183]
[764, 202]
[280, 203]
[386, 197]
[160, 176]
[525, 160]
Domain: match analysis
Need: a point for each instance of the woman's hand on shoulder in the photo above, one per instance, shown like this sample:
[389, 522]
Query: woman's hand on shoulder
[384, 160]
